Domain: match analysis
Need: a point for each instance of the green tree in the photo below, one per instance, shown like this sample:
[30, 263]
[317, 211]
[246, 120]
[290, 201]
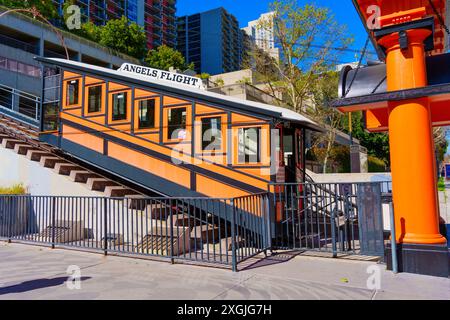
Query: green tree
[307, 37]
[165, 57]
[91, 31]
[323, 92]
[120, 35]
[88, 30]
[204, 76]
[46, 8]
[377, 144]
[440, 143]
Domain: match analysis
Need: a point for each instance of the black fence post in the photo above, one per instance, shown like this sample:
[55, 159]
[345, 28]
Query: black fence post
[53, 221]
[172, 260]
[393, 237]
[272, 212]
[333, 232]
[268, 213]
[10, 214]
[233, 237]
[105, 226]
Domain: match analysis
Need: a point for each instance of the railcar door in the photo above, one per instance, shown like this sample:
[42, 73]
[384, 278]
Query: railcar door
[300, 156]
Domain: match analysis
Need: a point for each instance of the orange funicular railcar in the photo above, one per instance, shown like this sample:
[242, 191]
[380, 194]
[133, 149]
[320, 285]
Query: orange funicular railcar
[168, 137]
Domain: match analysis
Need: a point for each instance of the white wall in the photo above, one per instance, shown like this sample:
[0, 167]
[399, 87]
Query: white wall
[38, 180]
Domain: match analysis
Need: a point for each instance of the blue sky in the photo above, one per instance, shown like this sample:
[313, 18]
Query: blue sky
[247, 10]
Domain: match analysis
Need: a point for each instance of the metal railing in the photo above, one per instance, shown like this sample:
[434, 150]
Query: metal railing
[248, 90]
[18, 44]
[338, 218]
[221, 231]
[19, 105]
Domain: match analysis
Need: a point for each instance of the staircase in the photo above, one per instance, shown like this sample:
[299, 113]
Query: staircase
[195, 232]
[23, 140]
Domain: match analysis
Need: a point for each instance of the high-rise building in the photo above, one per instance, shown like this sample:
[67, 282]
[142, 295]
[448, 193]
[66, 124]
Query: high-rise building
[157, 17]
[212, 40]
[261, 32]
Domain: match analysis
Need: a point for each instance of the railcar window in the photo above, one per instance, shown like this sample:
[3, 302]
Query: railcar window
[94, 99]
[249, 145]
[146, 113]
[176, 123]
[119, 106]
[211, 133]
[73, 88]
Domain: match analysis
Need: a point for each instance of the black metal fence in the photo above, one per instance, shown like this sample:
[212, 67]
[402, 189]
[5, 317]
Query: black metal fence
[219, 231]
[337, 218]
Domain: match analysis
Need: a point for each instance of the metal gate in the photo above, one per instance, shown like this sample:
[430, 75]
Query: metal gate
[340, 218]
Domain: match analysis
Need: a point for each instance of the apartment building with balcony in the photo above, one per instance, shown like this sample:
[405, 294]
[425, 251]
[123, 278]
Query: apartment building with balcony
[212, 40]
[261, 33]
[157, 17]
[22, 38]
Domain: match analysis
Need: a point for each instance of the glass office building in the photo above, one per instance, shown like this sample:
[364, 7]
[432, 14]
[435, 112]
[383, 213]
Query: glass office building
[212, 40]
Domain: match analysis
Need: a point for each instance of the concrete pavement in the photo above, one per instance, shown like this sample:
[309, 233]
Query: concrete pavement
[31, 272]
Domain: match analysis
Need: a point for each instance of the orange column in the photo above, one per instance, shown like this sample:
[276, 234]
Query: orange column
[411, 143]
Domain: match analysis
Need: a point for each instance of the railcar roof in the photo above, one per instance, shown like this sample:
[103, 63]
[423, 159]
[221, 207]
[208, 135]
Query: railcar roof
[245, 105]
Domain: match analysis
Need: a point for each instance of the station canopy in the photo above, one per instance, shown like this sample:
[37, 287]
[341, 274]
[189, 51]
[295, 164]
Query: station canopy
[366, 89]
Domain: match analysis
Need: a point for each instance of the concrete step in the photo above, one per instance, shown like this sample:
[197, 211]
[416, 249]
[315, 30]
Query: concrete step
[10, 143]
[3, 136]
[138, 202]
[206, 232]
[65, 168]
[158, 211]
[184, 220]
[118, 191]
[224, 246]
[81, 175]
[158, 242]
[227, 243]
[23, 148]
[99, 184]
[35, 155]
[50, 162]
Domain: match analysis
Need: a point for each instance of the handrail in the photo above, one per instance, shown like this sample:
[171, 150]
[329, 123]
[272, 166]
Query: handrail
[28, 105]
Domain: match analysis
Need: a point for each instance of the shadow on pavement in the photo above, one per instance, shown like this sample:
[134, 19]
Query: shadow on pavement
[36, 284]
[274, 258]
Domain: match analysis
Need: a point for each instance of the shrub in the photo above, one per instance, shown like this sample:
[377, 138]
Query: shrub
[15, 189]
[441, 184]
[376, 164]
